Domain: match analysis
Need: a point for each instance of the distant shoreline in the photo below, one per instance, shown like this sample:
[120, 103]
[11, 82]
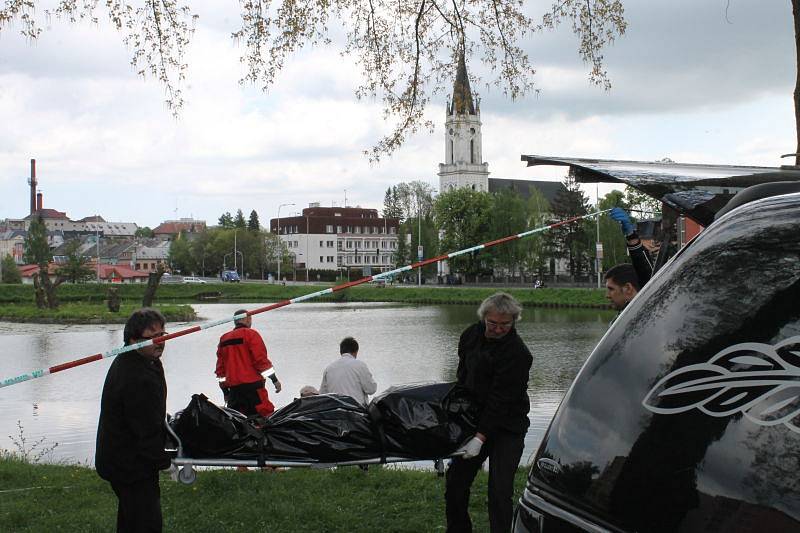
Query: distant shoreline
[85, 303]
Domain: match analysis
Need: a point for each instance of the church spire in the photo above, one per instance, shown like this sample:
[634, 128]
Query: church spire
[462, 95]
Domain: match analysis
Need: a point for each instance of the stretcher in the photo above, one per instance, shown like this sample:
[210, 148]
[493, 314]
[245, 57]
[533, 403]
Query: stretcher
[187, 466]
[404, 424]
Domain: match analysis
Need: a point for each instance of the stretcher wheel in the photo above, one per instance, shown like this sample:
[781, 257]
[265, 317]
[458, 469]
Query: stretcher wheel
[187, 475]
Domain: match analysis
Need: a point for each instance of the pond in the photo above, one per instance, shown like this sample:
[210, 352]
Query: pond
[400, 344]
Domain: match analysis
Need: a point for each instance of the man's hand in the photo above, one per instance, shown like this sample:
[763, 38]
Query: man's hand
[472, 448]
[277, 384]
[624, 220]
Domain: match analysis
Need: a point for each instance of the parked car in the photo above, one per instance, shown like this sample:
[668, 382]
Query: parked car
[686, 416]
[230, 276]
[192, 279]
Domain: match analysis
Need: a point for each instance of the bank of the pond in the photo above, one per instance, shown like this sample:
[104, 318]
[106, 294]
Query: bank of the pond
[88, 313]
[37, 498]
[263, 292]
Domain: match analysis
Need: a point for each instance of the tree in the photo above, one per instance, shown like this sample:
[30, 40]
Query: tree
[391, 206]
[226, 220]
[537, 251]
[570, 241]
[37, 251]
[405, 48]
[10, 270]
[643, 205]
[253, 223]
[238, 221]
[508, 217]
[180, 255]
[144, 232]
[462, 215]
[75, 269]
[615, 250]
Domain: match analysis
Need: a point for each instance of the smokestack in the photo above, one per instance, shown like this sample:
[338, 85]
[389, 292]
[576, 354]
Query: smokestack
[38, 201]
[32, 183]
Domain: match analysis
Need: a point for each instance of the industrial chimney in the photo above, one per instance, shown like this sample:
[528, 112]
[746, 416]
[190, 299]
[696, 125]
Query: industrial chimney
[32, 183]
[39, 205]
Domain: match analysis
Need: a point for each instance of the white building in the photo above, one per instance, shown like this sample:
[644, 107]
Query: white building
[463, 166]
[332, 238]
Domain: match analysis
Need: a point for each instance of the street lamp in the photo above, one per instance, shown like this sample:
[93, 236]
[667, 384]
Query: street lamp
[280, 254]
[234, 260]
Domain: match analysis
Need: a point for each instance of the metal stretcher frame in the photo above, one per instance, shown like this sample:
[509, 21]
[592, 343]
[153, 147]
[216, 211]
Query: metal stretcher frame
[187, 473]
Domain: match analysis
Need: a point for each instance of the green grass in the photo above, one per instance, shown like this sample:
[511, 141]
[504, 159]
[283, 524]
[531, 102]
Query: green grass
[74, 498]
[87, 313]
[262, 292]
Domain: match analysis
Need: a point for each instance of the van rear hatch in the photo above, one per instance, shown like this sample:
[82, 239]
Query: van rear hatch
[686, 416]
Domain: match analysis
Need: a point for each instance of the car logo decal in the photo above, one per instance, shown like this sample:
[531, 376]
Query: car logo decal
[548, 466]
[759, 381]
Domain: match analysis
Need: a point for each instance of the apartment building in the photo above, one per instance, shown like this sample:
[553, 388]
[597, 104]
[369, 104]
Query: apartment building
[331, 238]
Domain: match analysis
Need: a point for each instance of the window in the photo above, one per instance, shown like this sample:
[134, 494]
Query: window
[358, 244]
[329, 228]
[321, 259]
[382, 230]
[358, 229]
[392, 230]
[349, 244]
[330, 259]
[296, 244]
[320, 244]
[339, 260]
[338, 229]
[329, 243]
[339, 245]
[358, 259]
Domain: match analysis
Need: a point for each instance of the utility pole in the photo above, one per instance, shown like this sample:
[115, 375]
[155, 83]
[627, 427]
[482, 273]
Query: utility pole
[97, 227]
[419, 242]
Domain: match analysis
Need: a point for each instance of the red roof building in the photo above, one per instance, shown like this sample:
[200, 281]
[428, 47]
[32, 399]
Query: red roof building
[108, 273]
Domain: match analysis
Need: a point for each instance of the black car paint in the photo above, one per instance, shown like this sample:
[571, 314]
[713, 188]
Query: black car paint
[633, 458]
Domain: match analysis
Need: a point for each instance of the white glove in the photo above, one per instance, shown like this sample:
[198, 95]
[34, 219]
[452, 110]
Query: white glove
[472, 448]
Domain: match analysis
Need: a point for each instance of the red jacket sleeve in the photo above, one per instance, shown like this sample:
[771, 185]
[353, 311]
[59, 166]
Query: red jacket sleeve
[258, 351]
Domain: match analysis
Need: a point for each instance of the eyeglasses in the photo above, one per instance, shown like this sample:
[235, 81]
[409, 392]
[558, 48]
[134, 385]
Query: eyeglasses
[151, 337]
[499, 325]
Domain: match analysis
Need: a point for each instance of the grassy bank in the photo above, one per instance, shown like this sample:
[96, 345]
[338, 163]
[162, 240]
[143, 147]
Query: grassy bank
[72, 498]
[262, 292]
[88, 313]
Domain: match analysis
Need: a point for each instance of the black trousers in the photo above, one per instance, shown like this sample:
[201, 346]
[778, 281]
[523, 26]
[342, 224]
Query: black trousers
[504, 450]
[139, 508]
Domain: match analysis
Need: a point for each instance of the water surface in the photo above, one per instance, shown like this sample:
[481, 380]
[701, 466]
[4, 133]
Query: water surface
[400, 343]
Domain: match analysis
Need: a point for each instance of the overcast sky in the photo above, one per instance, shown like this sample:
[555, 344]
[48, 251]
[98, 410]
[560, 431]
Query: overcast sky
[698, 81]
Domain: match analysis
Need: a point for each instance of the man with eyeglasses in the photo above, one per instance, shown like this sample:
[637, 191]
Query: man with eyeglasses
[493, 364]
[131, 433]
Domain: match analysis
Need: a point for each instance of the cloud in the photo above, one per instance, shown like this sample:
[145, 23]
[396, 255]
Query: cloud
[687, 84]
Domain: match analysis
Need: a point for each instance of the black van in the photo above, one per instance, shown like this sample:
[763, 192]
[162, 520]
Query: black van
[686, 416]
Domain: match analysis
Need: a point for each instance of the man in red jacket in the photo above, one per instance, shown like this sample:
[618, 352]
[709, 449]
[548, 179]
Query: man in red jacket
[242, 366]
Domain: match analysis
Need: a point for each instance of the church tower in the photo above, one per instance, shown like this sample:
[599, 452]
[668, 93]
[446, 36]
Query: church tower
[463, 166]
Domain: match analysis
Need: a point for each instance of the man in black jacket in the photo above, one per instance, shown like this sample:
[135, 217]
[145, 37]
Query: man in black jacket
[131, 431]
[493, 363]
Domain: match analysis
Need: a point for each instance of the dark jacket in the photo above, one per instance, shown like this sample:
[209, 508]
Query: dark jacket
[496, 372]
[131, 432]
[641, 263]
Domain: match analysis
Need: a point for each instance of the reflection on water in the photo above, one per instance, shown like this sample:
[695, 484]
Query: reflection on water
[400, 343]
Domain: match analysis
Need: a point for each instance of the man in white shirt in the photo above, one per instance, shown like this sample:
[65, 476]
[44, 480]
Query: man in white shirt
[348, 375]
